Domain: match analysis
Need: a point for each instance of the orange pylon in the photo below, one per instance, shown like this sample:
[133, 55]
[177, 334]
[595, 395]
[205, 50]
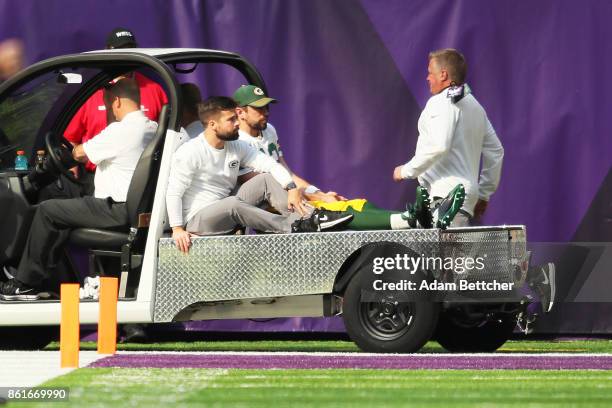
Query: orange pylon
[107, 324]
[69, 325]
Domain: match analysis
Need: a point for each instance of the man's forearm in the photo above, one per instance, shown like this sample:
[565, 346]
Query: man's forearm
[174, 206]
[78, 154]
[265, 164]
[300, 182]
[423, 161]
[281, 174]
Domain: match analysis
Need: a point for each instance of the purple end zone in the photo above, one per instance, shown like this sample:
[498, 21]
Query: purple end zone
[304, 361]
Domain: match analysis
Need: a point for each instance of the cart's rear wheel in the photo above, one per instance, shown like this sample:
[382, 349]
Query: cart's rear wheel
[387, 325]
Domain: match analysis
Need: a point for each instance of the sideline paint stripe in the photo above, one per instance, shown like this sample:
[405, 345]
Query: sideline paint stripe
[360, 354]
[32, 368]
[385, 361]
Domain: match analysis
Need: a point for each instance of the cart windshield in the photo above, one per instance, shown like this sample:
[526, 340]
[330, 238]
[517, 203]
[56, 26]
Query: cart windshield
[30, 110]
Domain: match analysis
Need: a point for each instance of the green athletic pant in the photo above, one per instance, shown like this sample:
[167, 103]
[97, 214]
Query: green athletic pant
[370, 218]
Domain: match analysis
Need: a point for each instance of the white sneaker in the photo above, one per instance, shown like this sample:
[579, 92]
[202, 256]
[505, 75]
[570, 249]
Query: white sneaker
[91, 288]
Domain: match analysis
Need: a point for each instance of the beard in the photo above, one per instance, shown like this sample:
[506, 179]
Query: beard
[229, 136]
[261, 125]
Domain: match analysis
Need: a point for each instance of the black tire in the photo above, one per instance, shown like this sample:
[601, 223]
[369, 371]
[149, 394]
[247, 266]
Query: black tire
[27, 337]
[407, 332]
[458, 335]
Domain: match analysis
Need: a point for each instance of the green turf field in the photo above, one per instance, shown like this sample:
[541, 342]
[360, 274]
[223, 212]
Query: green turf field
[123, 387]
[189, 387]
[523, 346]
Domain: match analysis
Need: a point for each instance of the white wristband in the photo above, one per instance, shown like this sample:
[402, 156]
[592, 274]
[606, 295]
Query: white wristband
[311, 189]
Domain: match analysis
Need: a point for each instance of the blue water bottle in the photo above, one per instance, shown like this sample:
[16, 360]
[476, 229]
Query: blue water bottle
[21, 162]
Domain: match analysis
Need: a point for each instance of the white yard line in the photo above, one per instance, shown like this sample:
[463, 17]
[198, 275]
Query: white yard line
[32, 368]
[345, 354]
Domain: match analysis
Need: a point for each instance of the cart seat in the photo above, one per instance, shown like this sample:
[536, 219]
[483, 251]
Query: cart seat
[97, 238]
[129, 244]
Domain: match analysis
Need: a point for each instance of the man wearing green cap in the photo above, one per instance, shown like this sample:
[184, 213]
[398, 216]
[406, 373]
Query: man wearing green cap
[253, 111]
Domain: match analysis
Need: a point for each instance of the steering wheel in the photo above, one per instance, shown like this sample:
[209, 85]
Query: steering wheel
[60, 153]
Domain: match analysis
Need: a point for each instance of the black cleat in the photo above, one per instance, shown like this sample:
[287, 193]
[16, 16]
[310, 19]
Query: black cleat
[15, 290]
[450, 206]
[322, 220]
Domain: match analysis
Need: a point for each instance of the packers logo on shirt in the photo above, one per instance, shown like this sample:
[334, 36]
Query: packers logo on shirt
[233, 164]
[273, 151]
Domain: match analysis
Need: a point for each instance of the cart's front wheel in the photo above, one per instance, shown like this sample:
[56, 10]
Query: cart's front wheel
[460, 334]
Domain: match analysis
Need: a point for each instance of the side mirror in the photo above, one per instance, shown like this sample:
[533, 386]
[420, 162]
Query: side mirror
[69, 78]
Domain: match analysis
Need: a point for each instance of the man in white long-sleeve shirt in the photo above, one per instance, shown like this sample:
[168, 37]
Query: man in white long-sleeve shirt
[454, 132]
[116, 152]
[204, 173]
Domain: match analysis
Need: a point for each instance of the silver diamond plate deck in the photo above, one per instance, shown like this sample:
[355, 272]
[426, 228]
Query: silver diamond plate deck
[251, 266]
[502, 255]
[273, 265]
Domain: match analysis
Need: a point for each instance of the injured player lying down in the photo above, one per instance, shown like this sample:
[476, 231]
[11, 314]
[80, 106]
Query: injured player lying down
[204, 172]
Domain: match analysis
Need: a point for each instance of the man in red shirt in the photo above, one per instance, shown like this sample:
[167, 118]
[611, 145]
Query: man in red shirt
[91, 118]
